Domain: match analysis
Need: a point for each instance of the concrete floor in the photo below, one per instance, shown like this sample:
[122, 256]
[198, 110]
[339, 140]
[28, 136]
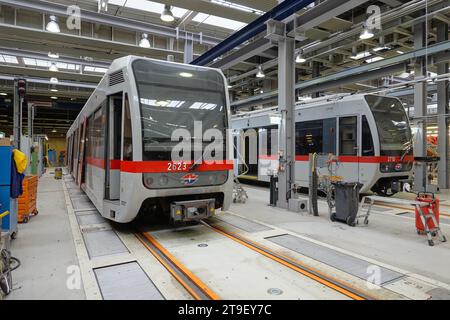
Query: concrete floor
[388, 238]
[45, 248]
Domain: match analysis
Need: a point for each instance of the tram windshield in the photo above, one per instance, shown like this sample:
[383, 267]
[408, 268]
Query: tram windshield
[392, 123]
[174, 97]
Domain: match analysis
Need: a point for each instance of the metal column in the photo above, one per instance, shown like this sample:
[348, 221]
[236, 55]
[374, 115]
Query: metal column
[420, 108]
[315, 74]
[188, 50]
[17, 109]
[443, 110]
[286, 103]
[30, 121]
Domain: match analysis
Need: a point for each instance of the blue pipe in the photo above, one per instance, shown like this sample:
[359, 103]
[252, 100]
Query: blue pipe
[280, 12]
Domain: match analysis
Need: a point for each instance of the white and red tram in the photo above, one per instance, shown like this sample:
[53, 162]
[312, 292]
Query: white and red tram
[370, 134]
[120, 147]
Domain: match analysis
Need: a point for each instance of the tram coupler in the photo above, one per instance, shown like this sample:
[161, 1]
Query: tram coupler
[192, 210]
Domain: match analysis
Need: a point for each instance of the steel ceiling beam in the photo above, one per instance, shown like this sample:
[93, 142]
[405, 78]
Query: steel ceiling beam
[309, 19]
[247, 52]
[349, 73]
[41, 56]
[47, 81]
[321, 13]
[264, 5]
[280, 12]
[14, 32]
[65, 75]
[110, 20]
[211, 7]
[389, 19]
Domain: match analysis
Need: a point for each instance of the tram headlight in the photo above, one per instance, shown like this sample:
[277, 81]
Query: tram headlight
[163, 180]
[385, 167]
[213, 178]
[223, 178]
[148, 181]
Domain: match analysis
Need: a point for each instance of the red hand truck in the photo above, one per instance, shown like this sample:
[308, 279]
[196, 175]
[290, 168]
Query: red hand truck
[427, 217]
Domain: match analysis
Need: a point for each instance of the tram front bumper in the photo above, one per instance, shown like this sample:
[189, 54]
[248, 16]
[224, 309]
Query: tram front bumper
[192, 210]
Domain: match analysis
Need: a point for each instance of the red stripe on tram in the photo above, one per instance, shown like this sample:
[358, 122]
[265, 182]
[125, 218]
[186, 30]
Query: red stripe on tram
[169, 166]
[160, 166]
[368, 159]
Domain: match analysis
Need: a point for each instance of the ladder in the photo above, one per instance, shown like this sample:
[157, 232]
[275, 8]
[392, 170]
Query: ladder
[430, 232]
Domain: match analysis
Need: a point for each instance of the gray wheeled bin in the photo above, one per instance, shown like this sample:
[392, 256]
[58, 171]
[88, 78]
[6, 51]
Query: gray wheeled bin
[347, 202]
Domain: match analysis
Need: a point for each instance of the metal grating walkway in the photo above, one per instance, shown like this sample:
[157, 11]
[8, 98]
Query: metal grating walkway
[349, 264]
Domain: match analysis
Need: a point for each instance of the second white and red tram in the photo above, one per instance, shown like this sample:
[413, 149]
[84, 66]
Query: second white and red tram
[370, 134]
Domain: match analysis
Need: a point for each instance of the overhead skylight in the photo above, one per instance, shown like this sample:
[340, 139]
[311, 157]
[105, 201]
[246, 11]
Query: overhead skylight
[360, 55]
[95, 69]
[8, 59]
[374, 59]
[406, 75]
[381, 48]
[149, 6]
[46, 64]
[219, 21]
[238, 6]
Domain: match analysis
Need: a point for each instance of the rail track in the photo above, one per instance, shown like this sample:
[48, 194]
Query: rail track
[200, 291]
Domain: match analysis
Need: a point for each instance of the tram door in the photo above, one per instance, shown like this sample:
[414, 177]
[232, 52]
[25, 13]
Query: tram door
[113, 148]
[348, 167]
[80, 171]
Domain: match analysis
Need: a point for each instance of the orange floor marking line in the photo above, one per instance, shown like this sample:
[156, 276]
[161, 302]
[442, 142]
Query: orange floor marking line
[291, 266]
[206, 290]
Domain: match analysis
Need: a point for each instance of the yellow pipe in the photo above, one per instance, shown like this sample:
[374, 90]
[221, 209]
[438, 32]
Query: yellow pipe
[4, 214]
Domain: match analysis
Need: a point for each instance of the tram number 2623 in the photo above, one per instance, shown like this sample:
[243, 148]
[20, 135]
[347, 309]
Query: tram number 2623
[177, 166]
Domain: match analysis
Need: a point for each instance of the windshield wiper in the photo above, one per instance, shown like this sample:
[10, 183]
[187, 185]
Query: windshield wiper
[196, 163]
[407, 149]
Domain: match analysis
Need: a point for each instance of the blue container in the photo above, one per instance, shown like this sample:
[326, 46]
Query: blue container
[9, 223]
[5, 166]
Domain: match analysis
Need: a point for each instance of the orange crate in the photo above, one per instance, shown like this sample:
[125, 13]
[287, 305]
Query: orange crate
[27, 201]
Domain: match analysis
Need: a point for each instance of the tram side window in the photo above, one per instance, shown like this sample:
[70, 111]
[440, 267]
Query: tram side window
[308, 137]
[329, 135]
[88, 139]
[367, 141]
[127, 133]
[235, 147]
[98, 130]
[347, 136]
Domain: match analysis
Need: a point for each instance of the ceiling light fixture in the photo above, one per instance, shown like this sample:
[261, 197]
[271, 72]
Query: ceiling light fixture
[3, 94]
[260, 73]
[144, 43]
[186, 74]
[300, 58]
[366, 33]
[54, 80]
[53, 55]
[54, 90]
[54, 98]
[167, 15]
[54, 131]
[103, 5]
[53, 67]
[52, 25]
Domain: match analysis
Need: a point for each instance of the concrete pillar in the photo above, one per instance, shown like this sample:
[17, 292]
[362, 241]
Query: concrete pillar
[286, 103]
[420, 108]
[17, 108]
[443, 109]
[315, 74]
[188, 50]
